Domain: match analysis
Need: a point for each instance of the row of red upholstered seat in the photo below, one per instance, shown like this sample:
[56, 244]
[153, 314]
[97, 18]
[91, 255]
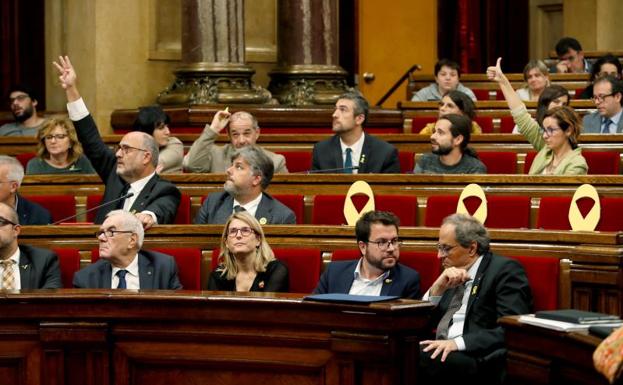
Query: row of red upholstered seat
[484, 94]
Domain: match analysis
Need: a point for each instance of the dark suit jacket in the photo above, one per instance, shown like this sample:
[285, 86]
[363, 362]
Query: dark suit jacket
[218, 207]
[274, 279]
[500, 288]
[38, 268]
[31, 213]
[155, 270]
[158, 196]
[377, 156]
[339, 276]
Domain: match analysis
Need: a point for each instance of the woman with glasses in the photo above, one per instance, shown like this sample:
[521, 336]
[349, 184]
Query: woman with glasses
[555, 137]
[58, 150]
[154, 121]
[604, 66]
[246, 262]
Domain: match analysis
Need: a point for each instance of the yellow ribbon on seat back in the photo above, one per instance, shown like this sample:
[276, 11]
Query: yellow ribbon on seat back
[576, 220]
[473, 190]
[350, 211]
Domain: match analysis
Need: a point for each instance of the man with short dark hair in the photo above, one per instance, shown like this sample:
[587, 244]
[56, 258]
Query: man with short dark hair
[23, 103]
[243, 130]
[475, 288]
[351, 149]
[571, 57]
[249, 174]
[22, 266]
[447, 78]
[377, 272]
[129, 169]
[11, 176]
[451, 154]
[122, 263]
[608, 98]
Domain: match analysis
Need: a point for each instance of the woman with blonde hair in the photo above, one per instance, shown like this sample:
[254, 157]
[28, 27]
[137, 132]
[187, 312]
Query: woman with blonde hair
[58, 150]
[246, 262]
[536, 76]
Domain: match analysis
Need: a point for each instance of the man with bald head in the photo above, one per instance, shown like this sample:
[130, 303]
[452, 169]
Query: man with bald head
[243, 130]
[22, 266]
[130, 169]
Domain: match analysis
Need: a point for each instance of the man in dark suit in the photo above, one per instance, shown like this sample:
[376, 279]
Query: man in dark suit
[351, 150]
[11, 176]
[474, 290]
[608, 98]
[249, 174]
[377, 272]
[37, 268]
[131, 169]
[122, 263]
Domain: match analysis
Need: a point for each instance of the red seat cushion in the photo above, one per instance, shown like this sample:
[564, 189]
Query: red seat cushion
[506, 125]
[69, 263]
[499, 162]
[59, 206]
[296, 203]
[329, 209]
[503, 212]
[543, 275]
[530, 155]
[92, 201]
[183, 211]
[486, 123]
[481, 94]
[407, 161]
[419, 122]
[24, 158]
[297, 161]
[602, 162]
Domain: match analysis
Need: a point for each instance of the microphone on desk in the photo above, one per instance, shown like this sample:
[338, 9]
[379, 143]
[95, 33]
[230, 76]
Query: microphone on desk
[329, 170]
[128, 195]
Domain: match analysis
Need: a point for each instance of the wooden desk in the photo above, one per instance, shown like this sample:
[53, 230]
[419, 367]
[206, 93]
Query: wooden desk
[108, 337]
[542, 356]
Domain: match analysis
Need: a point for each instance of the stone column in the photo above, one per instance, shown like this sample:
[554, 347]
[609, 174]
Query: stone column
[307, 71]
[213, 68]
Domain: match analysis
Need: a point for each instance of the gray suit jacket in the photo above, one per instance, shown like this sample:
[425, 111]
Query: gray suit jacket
[592, 124]
[38, 268]
[218, 207]
[155, 271]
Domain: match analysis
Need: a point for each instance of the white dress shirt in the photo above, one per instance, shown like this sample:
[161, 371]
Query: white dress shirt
[364, 286]
[131, 277]
[356, 147]
[250, 207]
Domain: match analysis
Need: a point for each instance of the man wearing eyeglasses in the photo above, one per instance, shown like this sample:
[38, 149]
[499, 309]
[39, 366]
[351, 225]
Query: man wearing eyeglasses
[22, 266]
[474, 290]
[23, 104]
[122, 263]
[571, 57]
[377, 272]
[129, 172]
[608, 98]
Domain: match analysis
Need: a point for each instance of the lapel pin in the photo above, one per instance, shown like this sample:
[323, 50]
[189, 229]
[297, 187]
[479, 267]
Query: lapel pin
[260, 284]
[24, 266]
[149, 272]
[474, 289]
[388, 280]
[263, 221]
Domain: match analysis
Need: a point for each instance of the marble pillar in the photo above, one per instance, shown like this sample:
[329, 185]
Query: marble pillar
[307, 69]
[213, 69]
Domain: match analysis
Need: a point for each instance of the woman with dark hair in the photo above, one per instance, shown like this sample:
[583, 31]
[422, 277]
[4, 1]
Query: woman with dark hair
[58, 150]
[552, 96]
[455, 102]
[155, 122]
[605, 65]
[554, 135]
[246, 262]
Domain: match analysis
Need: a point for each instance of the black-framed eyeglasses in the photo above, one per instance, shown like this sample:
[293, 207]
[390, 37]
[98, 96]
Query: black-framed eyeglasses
[19, 98]
[109, 233]
[4, 222]
[549, 131]
[57, 137]
[244, 231]
[445, 249]
[125, 149]
[600, 98]
[384, 244]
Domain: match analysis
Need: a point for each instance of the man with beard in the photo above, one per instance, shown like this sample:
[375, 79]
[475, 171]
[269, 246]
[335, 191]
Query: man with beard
[475, 288]
[377, 272]
[23, 104]
[450, 152]
[248, 176]
[351, 150]
[130, 169]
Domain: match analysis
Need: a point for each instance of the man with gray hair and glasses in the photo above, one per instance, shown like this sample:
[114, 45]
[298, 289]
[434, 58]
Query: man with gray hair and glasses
[122, 263]
[11, 176]
[129, 172]
[475, 288]
[377, 272]
[248, 175]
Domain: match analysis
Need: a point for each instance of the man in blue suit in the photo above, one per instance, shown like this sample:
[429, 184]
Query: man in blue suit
[122, 263]
[377, 272]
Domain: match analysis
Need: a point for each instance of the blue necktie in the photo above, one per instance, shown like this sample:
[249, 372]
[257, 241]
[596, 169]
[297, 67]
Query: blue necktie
[606, 127]
[348, 162]
[122, 284]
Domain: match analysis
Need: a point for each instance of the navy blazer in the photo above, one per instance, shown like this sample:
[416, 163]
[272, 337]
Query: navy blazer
[155, 271]
[218, 207]
[377, 156]
[31, 213]
[158, 196]
[38, 268]
[402, 280]
[500, 288]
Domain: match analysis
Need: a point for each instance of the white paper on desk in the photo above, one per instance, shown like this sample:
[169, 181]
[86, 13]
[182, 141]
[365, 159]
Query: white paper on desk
[530, 319]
